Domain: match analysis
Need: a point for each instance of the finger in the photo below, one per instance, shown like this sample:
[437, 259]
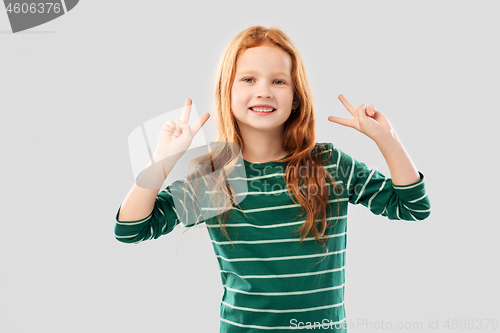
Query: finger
[171, 123]
[199, 124]
[370, 110]
[361, 111]
[180, 127]
[187, 110]
[347, 104]
[342, 121]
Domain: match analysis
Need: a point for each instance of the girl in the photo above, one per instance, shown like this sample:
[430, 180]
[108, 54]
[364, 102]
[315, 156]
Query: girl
[281, 241]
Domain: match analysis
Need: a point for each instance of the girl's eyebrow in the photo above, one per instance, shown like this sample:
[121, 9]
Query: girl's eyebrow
[257, 72]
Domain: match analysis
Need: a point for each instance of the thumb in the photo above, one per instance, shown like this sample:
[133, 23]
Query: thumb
[361, 111]
[183, 126]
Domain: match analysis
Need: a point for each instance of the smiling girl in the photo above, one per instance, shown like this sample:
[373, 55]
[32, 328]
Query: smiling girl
[282, 249]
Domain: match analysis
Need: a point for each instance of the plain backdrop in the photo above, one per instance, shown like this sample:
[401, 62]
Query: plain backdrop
[73, 89]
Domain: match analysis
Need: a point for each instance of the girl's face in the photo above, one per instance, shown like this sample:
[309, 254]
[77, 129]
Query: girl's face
[263, 76]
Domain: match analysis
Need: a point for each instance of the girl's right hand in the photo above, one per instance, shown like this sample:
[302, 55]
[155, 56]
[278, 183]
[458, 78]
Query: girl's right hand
[176, 136]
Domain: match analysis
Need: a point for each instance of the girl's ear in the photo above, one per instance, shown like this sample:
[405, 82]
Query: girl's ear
[295, 104]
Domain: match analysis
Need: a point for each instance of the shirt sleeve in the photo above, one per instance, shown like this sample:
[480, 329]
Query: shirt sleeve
[175, 204]
[375, 191]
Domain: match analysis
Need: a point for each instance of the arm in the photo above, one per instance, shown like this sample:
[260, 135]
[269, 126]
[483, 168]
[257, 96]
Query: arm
[140, 200]
[147, 214]
[373, 190]
[408, 192]
[403, 171]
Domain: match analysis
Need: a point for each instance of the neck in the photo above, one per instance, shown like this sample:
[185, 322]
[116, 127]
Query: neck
[262, 146]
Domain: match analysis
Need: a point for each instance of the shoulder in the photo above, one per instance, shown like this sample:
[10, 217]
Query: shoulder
[334, 155]
[327, 154]
[321, 147]
[327, 149]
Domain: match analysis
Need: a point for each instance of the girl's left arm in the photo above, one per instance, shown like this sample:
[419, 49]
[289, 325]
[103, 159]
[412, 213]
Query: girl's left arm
[403, 171]
[372, 123]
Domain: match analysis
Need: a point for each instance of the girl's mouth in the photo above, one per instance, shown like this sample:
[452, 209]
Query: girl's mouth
[262, 111]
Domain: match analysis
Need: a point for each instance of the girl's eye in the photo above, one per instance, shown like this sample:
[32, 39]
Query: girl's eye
[249, 78]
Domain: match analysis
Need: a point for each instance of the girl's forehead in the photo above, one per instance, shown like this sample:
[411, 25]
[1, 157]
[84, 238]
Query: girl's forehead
[265, 58]
[265, 48]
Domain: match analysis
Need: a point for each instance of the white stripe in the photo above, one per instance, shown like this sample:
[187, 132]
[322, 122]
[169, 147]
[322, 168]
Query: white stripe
[175, 211]
[268, 241]
[352, 171]
[267, 193]
[406, 187]
[364, 186]
[284, 275]
[284, 293]
[133, 223]
[185, 209]
[417, 210]
[413, 201]
[268, 208]
[127, 236]
[272, 225]
[273, 327]
[161, 211]
[326, 150]
[275, 174]
[192, 189]
[375, 194]
[338, 156]
[282, 258]
[64, 6]
[283, 311]
[413, 216]
[397, 212]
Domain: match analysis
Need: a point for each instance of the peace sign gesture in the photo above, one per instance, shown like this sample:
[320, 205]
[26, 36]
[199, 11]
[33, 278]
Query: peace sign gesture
[176, 136]
[367, 120]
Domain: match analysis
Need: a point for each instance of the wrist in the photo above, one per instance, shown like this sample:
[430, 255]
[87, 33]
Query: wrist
[385, 137]
[171, 159]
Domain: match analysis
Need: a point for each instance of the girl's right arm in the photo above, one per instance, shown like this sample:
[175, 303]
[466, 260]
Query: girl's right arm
[143, 204]
[146, 213]
[140, 201]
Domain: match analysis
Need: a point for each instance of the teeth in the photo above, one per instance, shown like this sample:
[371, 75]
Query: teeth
[262, 109]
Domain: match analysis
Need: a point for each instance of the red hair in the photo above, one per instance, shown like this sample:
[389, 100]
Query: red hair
[298, 138]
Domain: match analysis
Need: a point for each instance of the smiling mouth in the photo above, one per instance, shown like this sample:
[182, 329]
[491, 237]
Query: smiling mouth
[263, 110]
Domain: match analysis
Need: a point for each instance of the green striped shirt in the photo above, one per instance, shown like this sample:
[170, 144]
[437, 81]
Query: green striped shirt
[271, 280]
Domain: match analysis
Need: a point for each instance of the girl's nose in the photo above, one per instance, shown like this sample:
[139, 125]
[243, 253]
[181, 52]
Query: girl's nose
[264, 91]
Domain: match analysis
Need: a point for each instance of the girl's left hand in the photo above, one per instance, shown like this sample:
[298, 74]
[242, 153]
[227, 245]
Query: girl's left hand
[367, 120]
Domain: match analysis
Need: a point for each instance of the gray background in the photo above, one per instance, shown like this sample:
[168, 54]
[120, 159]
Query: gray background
[73, 89]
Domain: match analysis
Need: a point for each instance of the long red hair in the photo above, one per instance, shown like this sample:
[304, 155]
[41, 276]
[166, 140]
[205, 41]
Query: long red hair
[298, 138]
